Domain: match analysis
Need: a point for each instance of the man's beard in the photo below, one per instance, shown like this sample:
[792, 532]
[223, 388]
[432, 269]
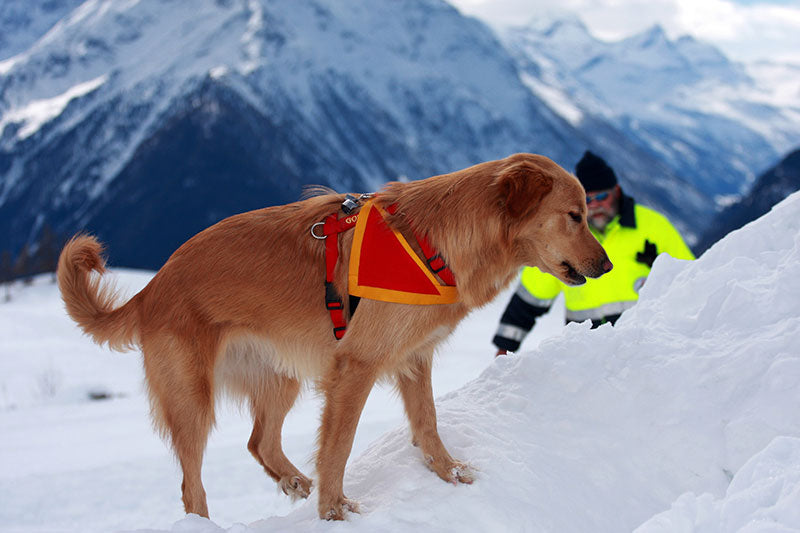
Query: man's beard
[600, 218]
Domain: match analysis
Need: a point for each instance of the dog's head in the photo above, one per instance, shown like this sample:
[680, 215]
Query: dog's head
[546, 209]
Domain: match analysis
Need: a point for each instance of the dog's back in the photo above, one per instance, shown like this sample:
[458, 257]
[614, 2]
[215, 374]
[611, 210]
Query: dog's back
[241, 272]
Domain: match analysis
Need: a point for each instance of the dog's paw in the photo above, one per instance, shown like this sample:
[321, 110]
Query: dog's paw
[339, 510]
[462, 473]
[296, 487]
[454, 472]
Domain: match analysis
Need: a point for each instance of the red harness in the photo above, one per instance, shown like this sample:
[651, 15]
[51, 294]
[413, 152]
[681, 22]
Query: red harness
[333, 226]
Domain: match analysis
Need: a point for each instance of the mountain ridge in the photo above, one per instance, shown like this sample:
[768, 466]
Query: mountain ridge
[705, 115]
[343, 107]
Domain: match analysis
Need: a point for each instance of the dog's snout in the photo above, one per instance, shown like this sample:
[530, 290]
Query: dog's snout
[598, 267]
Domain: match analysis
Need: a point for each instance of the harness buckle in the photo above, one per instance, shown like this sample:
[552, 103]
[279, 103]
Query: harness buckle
[332, 299]
[350, 204]
[433, 268]
[313, 233]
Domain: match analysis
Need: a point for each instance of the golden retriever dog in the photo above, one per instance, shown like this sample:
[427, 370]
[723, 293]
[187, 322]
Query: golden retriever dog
[239, 309]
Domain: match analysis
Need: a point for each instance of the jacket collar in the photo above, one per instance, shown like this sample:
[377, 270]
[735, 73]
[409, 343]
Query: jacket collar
[627, 214]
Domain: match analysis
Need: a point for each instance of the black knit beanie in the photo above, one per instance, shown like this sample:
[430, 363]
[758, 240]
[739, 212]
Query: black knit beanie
[594, 174]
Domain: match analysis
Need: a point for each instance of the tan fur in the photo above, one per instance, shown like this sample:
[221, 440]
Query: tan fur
[239, 308]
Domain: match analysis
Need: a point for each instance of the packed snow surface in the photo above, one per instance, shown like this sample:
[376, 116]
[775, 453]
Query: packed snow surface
[682, 418]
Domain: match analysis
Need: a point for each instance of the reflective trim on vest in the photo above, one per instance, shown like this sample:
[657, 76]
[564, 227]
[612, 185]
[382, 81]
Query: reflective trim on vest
[510, 332]
[597, 313]
[530, 299]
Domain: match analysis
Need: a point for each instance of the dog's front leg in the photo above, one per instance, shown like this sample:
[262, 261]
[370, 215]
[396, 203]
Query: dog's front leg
[417, 394]
[346, 386]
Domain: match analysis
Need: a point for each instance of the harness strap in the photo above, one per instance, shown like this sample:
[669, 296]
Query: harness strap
[436, 262]
[433, 258]
[333, 301]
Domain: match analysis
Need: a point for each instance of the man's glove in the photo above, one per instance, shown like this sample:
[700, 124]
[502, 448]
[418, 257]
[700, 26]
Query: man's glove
[648, 255]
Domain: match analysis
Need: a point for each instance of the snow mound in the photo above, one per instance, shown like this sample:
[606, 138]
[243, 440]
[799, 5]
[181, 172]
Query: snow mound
[763, 496]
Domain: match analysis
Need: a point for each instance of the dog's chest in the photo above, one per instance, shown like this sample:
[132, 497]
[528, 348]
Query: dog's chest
[248, 359]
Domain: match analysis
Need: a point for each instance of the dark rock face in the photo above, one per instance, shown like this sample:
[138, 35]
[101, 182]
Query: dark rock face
[771, 187]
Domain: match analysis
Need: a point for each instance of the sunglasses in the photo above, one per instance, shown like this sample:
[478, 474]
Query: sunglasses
[597, 197]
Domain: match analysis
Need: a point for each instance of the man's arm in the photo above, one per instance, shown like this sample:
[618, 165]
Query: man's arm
[516, 322]
[533, 298]
[669, 240]
[659, 236]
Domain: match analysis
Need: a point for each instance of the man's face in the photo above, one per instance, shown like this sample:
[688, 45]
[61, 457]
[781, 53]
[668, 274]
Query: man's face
[602, 207]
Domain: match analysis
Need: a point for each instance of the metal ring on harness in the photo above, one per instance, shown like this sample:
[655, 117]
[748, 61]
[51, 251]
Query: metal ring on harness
[314, 234]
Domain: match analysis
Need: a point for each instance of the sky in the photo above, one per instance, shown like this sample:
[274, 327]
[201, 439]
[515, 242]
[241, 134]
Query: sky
[682, 417]
[745, 30]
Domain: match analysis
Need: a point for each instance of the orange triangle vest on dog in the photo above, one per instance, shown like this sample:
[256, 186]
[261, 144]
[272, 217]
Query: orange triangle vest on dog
[384, 267]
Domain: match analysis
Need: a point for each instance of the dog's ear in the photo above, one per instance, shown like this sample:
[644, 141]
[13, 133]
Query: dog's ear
[521, 187]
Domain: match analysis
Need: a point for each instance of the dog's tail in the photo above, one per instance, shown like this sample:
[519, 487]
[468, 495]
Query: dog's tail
[90, 302]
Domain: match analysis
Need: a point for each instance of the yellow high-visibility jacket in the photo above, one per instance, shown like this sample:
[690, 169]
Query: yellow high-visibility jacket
[600, 299]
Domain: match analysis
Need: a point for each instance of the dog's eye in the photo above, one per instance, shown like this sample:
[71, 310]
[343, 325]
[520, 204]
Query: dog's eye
[576, 217]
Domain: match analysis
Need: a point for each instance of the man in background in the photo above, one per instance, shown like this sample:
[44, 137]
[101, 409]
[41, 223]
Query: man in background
[632, 235]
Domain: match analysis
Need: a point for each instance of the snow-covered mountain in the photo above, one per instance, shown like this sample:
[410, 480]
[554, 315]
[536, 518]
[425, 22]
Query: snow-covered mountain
[705, 116]
[146, 121]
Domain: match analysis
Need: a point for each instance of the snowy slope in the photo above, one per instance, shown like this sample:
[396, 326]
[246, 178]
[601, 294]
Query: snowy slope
[681, 418]
[763, 496]
[25, 21]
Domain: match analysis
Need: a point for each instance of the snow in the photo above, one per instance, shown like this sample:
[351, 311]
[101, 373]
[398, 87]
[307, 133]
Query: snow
[38, 112]
[763, 496]
[6, 65]
[681, 418]
[556, 99]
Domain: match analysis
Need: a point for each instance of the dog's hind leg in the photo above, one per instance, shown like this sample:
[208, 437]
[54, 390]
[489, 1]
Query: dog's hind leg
[346, 385]
[182, 401]
[269, 406]
[417, 392]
